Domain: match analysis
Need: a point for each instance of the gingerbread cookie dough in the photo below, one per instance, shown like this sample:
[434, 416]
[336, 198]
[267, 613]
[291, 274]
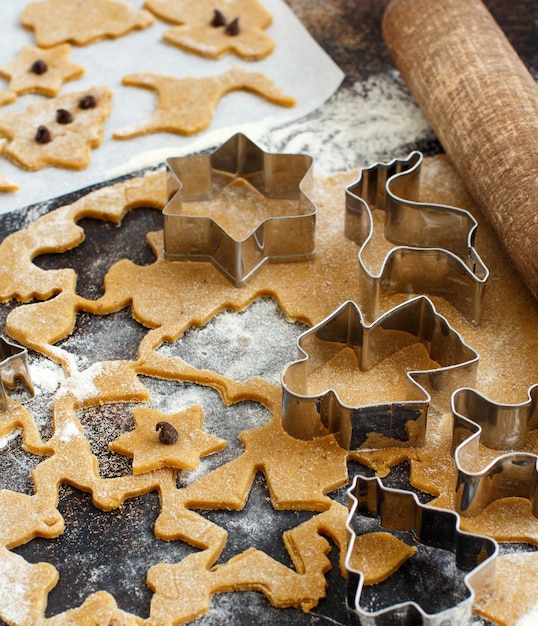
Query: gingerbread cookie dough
[38, 70]
[60, 131]
[167, 440]
[168, 299]
[5, 183]
[176, 112]
[81, 22]
[378, 555]
[213, 29]
[7, 97]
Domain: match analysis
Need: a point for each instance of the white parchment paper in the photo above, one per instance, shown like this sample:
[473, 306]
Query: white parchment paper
[298, 66]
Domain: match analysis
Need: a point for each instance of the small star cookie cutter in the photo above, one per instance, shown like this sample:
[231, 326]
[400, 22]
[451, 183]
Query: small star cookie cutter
[282, 239]
[470, 558]
[434, 250]
[380, 425]
[477, 419]
[13, 366]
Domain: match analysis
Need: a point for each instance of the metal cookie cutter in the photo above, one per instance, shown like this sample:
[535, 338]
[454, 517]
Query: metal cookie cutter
[13, 366]
[499, 427]
[436, 584]
[434, 251]
[306, 415]
[279, 239]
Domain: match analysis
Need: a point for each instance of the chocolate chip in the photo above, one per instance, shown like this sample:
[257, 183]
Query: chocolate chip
[63, 116]
[39, 67]
[167, 433]
[233, 28]
[43, 135]
[218, 19]
[87, 102]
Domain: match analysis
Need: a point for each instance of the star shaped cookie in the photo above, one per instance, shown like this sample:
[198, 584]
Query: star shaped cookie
[149, 448]
[81, 22]
[60, 131]
[186, 105]
[40, 71]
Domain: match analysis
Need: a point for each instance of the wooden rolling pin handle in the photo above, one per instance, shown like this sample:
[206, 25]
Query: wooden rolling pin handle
[482, 103]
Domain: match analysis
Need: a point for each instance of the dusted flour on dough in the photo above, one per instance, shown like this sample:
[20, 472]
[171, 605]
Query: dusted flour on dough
[181, 307]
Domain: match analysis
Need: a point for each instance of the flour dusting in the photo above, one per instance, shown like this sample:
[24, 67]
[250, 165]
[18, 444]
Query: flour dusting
[46, 375]
[82, 385]
[386, 119]
[68, 431]
[530, 619]
[258, 341]
[13, 584]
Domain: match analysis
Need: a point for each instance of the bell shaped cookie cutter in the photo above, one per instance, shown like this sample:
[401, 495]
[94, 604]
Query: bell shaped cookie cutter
[281, 239]
[434, 250]
[436, 533]
[309, 415]
[13, 366]
[478, 419]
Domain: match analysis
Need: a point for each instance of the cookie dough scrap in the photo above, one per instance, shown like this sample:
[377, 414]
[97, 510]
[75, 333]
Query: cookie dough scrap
[378, 555]
[152, 450]
[39, 70]
[214, 28]
[196, 579]
[81, 22]
[5, 183]
[185, 105]
[60, 131]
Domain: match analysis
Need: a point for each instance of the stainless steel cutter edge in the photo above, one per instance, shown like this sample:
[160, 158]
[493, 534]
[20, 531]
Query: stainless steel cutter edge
[306, 416]
[398, 509]
[13, 365]
[288, 238]
[434, 250]
[498, 426]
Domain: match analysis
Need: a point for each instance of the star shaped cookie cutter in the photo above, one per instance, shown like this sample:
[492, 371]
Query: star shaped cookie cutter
[13, 366]
[478, 419]
[469, 556]
[434, 250]
[403, 424]
[281, 239]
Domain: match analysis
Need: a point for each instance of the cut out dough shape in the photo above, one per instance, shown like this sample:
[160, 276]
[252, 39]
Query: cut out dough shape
[70, 144]
[195, 32]
[378, 555]
[5, 183]
[148, 453]
[186, 105]
[81, 22]
[59, 69]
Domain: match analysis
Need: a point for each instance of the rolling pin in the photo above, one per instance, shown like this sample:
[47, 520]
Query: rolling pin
[482, 103]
